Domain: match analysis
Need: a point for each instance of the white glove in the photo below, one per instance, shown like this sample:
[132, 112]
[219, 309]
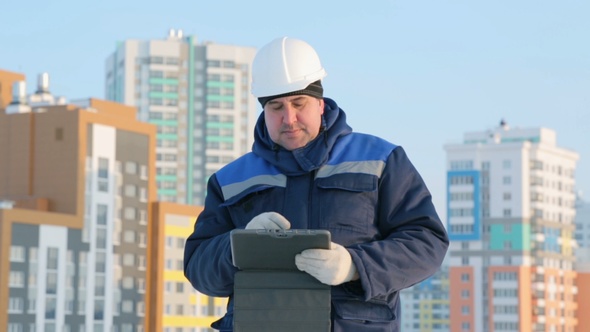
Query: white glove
[332, 266]
[269, 220]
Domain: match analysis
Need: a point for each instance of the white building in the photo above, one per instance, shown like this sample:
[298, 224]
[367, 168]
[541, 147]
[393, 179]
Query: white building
[511, 209]
[199, 97]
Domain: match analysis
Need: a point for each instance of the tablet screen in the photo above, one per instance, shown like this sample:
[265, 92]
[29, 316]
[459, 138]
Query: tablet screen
[262, 249]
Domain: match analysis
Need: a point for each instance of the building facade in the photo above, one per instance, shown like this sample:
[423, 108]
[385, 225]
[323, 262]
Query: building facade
[425, 306]
[198, 96]
[178, 306]
[75, 237]
[511, 209]
[583, 262]
[75, 182]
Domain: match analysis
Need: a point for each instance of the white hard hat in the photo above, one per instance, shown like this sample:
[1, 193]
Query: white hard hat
[285, 65]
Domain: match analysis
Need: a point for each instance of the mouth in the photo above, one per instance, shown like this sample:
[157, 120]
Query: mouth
[291, 132]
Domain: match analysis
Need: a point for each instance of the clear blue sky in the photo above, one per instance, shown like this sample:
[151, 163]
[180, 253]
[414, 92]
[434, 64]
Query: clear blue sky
[417, 73]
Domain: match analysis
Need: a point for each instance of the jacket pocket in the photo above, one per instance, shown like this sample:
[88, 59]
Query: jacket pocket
[347, 202]
[252, 202]
[363, 311]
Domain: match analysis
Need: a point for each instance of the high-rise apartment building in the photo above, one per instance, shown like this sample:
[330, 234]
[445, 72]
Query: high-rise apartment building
[510, 209]
[75, 182]
[198, 96]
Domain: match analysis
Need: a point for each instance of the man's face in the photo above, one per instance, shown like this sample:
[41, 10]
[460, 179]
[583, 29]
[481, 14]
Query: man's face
[293, 121]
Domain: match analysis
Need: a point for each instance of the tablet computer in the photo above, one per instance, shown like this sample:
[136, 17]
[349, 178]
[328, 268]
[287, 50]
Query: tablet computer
[274, 249]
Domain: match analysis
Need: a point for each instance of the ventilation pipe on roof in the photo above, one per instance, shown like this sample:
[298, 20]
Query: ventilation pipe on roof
[19, 99]
[43, 83]
[19, 93]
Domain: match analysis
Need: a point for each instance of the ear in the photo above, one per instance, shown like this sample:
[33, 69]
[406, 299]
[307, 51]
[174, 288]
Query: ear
[321, 105]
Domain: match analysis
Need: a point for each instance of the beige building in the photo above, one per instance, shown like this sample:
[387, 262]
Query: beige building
[75, 182]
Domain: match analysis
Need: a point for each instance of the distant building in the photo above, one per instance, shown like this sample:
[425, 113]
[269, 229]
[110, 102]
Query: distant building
[177, 305]
[73, 250]
[583, 263]
[84, 246]
[198, 95]
[425, 306]
[510, 207]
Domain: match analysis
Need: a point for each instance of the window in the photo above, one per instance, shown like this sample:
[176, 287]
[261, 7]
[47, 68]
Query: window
[127, 283]
[143, 194]
[141, 262]
[461, 165]
[142, 240]
[130, 213]
[51, 287]
[15, 327]
[17, 253]
[98, 309]
[52, 258]
[143, 173]
[101, 262]
[130, 190]
[131, 167]
[16, 305]
[141, 285]
[127, 306]
[103, 174]
[50, 305]
[461, 180]
[507, 196]
[129, 236]
[101, 238]
[128, 260]
[99, 289]
[509, 276]
[59, 134]
[101, 214]
[506, 164]
[507, 180]
[464, 277]
[103, 168]
[507, 213]
[465, 326]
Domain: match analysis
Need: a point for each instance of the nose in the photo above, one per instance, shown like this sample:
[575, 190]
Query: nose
[290, 115]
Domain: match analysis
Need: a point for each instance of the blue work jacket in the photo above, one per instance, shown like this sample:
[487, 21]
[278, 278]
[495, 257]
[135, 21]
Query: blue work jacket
[361, 188]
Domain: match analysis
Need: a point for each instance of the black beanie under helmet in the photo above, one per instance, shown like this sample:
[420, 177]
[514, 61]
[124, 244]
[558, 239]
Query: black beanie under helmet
[314, 89]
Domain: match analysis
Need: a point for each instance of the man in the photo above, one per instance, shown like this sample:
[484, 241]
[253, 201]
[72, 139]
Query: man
[307, 169]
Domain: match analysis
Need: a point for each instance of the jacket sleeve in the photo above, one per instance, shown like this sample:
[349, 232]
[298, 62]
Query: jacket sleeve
[207, 252]
[414, 241]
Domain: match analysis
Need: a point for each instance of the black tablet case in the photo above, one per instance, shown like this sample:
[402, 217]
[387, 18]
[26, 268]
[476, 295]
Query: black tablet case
[270, 293]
